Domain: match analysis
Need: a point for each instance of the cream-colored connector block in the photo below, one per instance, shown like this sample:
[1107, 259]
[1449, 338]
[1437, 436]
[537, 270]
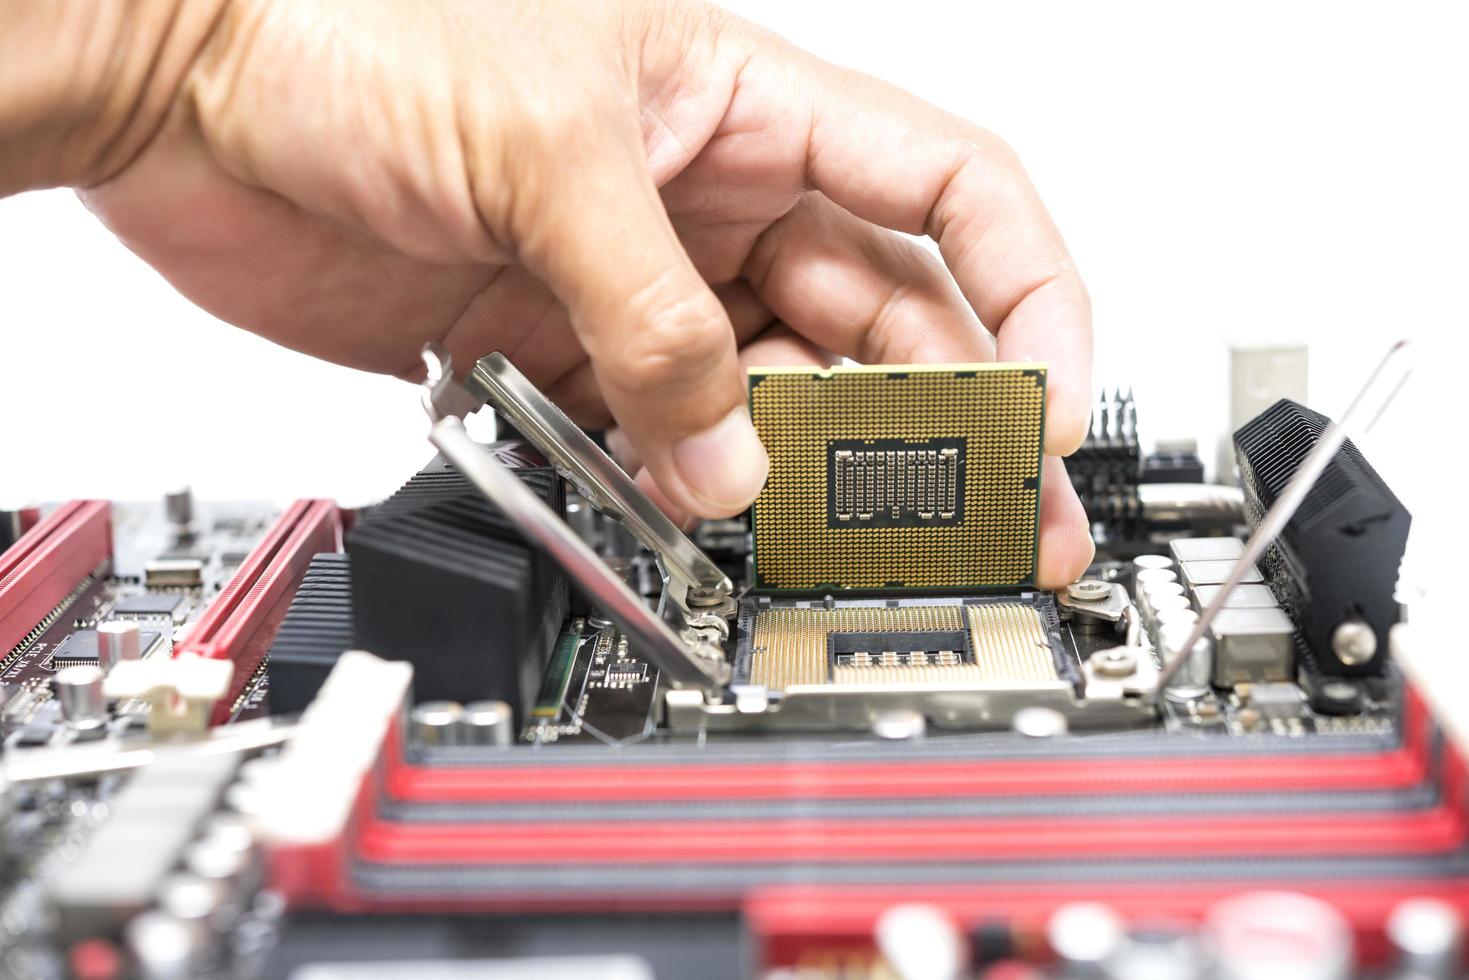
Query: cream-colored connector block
[181, 691]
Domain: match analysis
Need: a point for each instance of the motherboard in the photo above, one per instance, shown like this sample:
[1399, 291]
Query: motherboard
[511, 722]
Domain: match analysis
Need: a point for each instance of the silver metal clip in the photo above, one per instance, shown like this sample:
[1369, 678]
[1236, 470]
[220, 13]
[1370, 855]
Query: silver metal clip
[692, 581]
[685, 644]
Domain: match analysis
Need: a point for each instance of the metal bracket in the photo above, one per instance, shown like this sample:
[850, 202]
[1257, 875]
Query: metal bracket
[1094, 599]
[685, 645]
[693, 582]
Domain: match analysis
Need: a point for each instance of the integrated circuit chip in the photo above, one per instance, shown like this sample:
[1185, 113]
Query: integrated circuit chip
[907, 479]
[81, 648]
[147, 605]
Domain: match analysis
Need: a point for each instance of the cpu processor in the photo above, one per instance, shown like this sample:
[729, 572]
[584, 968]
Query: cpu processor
[908, 480]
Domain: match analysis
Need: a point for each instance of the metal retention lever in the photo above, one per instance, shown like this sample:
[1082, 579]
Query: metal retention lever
[600, 480]
[685, 644]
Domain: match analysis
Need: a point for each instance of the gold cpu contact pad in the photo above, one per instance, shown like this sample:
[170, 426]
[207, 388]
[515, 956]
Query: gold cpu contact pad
[907, 479]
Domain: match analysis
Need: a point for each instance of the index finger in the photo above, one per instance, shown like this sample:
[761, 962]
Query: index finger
[897, 161]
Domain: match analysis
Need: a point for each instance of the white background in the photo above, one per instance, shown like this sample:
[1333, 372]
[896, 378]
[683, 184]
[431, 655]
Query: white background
[1225, 174]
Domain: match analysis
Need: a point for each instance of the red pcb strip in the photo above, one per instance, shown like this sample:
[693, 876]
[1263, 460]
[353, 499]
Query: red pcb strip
[242, 621]
[50, 560]
[1402, 766]
[1438, 828]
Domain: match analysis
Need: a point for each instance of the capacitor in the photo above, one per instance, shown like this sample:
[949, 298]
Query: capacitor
[900, 724]
[1278, 935]
[1157, 954]
[1160, 602]
[1037, 721]
[1163, 601]
[1157, 590]
[1085, 935]
[1427, 934]
[1193, 678]
[437, 723]
[1176, 617]
[231, 834]
[489, 723]
[178, 505]
[1147, 592]
[193, 899]
[117, 640]
[1151, 578]
[231, 871]
[79, 689]
[921, 942]
[163, 946]
[215, 861]
[1148, 575]
[1143, 563]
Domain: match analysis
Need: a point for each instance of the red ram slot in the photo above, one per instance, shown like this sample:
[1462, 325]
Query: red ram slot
[241, 622]
[1441, 827]
[1403, 766]
[1438, 829]
[48, 563]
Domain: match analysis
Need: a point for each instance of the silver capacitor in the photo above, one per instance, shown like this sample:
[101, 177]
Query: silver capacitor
[1157, 590]
[231, 843]
[1149, 575]
[1192, 680]
[117, 641]
[922, 942]
[1173, 617]
[1427, 937]
[178, 505]
[489, 723]
[164, 947]
[437, 723]
[1160, 601]
[1143, 563]
[79, 690]
[1275, 935]
[1151, 578]
[192, 899]
[1085, 936]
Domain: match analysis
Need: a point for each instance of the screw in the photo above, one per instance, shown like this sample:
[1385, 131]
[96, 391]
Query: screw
[899, 724]
[1116, 662]
[702, 596]
[1038, 722]
[1088, 590]
[1354, 642]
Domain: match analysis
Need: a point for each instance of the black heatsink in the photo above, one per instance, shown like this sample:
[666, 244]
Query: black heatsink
[315, 632]
[1338, 558]
[441, 579]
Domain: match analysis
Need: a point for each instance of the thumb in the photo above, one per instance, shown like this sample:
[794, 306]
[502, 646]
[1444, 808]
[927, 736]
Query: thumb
[661, 345]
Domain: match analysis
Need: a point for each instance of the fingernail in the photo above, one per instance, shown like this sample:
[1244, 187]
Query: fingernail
[724, 466]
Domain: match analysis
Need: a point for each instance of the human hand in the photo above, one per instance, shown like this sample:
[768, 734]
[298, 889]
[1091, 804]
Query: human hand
[631, 199]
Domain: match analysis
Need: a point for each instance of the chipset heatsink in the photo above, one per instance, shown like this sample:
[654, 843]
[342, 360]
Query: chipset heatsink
[898, 479]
